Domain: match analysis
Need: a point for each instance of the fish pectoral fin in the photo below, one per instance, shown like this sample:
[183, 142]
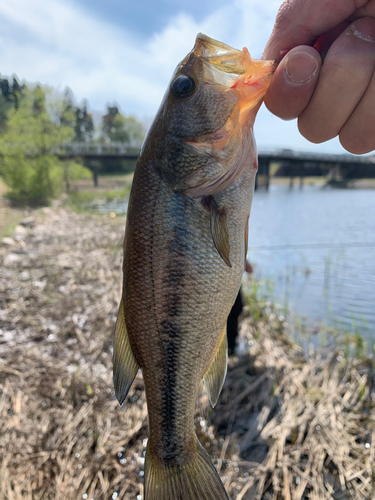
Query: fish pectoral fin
[219, 229]
[125, 366]
[215, 375]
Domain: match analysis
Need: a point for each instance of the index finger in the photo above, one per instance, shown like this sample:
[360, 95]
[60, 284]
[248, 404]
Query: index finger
[301, 22]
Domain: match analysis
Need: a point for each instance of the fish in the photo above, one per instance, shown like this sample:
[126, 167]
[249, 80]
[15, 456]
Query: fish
[185, 248]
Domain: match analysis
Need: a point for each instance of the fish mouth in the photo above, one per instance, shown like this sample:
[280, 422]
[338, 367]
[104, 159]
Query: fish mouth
[208, 47]
[221, 56]
[235, 69]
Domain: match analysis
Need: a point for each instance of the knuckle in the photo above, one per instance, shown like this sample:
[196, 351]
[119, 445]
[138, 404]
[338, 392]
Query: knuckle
[283, 17]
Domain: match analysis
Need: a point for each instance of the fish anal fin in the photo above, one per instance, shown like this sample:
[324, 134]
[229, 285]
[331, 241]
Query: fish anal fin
[194, 479]
[219, 229]
[215, 375]
[125, 366]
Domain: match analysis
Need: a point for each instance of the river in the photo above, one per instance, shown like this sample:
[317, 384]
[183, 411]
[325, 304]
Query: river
[317, 249]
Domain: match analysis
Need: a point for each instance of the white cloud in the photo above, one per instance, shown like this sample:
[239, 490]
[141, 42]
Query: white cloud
[60, 44]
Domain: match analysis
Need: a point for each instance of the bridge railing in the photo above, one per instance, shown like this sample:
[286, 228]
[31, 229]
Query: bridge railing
[110, 149]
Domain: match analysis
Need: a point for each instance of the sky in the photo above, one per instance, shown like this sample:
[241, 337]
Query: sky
[125, 51]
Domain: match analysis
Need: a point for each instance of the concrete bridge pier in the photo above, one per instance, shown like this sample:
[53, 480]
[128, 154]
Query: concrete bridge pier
[263, 170]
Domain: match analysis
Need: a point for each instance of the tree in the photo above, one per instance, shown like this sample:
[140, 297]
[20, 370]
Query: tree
[10, 94]
[35, 131]
[5, 88]
[84, 125]
[118, 128]
[78, 117]
[68, 107]
[17, 91]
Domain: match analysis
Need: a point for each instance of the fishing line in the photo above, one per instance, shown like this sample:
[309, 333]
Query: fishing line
[314, 245]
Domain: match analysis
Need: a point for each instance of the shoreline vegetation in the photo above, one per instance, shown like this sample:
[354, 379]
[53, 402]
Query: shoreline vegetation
[288, 425]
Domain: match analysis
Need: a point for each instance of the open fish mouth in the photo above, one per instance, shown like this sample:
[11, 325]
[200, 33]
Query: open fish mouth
[225, 63]
[208, 47]
[232, 67]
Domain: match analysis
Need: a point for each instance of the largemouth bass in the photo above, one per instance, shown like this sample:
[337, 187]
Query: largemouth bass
[184, 255]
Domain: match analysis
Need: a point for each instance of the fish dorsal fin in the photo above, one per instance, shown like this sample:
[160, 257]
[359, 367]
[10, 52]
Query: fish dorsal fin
[215, 375]
[219, 229]
[125, 366]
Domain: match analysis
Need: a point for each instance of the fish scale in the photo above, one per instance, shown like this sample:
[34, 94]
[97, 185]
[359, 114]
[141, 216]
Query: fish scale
[184, 255]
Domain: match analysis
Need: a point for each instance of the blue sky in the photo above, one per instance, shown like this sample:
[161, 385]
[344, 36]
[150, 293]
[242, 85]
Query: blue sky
[126, 51]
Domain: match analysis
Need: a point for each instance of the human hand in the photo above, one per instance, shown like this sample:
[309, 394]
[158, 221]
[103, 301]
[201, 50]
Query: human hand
[338, 96]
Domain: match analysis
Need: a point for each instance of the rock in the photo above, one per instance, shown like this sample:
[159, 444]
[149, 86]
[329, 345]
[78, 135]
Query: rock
[28, 222]
[39, 284]
[12, 258]
[20, 233]
[20, 230]
[8, 241]
[24, 276]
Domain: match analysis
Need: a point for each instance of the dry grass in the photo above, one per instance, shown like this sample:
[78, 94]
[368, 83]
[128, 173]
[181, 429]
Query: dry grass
[3, 187]
[286, 426]
[106, 182]
[304, 427]
[9, 218]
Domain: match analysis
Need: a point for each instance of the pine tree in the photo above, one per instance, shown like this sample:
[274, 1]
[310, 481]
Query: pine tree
[84, 125]
[10, 94]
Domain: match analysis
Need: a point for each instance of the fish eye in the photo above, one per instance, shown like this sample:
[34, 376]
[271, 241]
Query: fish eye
[182, 86]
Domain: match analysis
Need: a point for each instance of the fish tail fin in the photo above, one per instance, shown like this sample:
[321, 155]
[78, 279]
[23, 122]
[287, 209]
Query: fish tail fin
[194, 479]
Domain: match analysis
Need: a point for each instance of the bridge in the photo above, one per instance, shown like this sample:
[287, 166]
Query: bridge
[339, 167]
[92, 151]
[290, 163]
[286, 156]
[94, 155]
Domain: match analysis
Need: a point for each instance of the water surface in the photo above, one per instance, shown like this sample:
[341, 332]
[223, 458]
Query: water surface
[317, 246]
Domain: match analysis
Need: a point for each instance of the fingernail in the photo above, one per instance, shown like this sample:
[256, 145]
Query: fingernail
[300, 67]
[364, 29]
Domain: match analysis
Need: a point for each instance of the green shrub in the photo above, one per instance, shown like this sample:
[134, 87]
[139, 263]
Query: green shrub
[73, 171]
[34, 132]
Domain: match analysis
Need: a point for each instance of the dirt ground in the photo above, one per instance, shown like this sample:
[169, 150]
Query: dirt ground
[287, 426]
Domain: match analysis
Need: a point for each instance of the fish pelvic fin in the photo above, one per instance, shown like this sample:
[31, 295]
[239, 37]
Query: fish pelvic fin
[125, 366]
[215, 375]
[193, 479]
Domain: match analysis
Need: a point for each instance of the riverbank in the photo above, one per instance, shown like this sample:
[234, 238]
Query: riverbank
[321, 182]
[287, 426]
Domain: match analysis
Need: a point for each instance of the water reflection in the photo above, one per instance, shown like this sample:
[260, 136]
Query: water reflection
[117, 206]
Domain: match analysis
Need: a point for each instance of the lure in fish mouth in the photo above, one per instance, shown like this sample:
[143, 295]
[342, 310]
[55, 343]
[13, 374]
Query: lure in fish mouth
[184, 252]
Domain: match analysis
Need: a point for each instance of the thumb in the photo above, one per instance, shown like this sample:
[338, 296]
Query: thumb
[293, 82]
